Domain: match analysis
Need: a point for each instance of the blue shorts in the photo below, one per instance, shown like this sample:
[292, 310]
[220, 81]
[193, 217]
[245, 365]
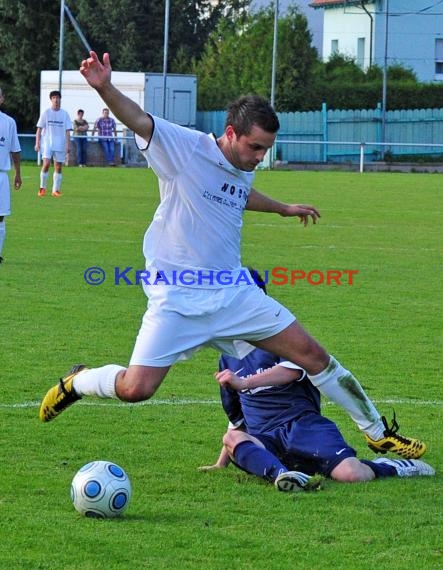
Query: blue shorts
[312, 444]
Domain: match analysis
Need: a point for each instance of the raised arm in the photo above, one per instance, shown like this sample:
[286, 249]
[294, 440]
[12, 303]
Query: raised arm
[259, 202]
[98, 75]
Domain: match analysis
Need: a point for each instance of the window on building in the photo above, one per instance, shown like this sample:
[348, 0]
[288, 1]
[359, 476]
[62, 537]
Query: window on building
[439, 57]
[334, 47]
[361, 52]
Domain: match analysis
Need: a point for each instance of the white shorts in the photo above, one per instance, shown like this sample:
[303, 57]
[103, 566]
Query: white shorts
[57, 155]
[5, 195]
[181, 320]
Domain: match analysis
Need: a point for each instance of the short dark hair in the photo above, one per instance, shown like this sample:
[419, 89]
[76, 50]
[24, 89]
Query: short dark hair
[250, 110]
[80, 111]
[54, 93]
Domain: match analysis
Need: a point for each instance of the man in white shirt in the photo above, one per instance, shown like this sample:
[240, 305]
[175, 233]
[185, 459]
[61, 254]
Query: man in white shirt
[199, 293]
[9, 148]
[52, 140]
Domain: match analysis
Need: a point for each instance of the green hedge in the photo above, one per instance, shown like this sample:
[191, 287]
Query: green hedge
[367, 96]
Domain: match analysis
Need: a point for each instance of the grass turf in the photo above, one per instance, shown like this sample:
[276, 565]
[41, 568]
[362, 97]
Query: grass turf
[385, 327]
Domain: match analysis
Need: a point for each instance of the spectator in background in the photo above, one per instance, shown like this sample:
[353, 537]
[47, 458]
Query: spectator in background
[9, 148]
[107, 131]
[52, 140]
[80, 127]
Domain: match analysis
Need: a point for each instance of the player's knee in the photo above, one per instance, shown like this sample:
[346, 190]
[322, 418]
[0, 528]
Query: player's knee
[310, 354]
[230, 440]
[233, 438]
[351, 470]
[130, 389]
[132, 393]
[317, 360]
[138, 383]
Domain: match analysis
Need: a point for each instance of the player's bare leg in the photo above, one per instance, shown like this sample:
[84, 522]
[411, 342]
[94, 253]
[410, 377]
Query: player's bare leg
[139, 383]
[134, 384]
[352, 470]
[340, 386]
[295, 344]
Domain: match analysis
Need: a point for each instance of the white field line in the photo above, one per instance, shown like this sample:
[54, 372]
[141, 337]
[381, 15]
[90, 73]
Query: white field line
[252, 245]
[191, 402]
[353, 247]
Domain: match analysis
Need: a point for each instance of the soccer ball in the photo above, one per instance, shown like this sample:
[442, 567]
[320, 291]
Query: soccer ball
[101, 489]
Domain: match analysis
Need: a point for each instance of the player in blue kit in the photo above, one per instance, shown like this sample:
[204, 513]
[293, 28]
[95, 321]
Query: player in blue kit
[276, 429]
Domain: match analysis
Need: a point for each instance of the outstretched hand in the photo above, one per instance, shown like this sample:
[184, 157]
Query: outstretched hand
[96, 73]
[303, 211]
[210, 467]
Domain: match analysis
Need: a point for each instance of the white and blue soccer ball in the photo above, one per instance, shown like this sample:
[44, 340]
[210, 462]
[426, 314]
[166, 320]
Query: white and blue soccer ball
[101, 489]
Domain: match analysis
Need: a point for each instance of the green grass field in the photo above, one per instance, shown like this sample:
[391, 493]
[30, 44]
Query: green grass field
[386, 328]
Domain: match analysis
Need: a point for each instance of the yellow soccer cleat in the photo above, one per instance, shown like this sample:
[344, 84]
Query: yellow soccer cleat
[406, 447]
[61, 396]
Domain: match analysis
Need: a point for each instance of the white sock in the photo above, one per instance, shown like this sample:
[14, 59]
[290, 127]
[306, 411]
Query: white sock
[97, 381]
[2, 235]
[56, 181]
[43, 179]
[340, 386]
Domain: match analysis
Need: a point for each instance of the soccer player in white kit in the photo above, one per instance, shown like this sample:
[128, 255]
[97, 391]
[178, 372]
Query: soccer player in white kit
[9, 148]
[52, 140]
[198, 291]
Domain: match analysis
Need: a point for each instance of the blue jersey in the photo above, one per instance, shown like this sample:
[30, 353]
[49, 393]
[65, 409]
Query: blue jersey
[266, 408]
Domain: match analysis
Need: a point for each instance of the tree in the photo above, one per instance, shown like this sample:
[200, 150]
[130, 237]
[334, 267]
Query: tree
[131, 30]
[342, 84]
[223, 42]
[25, 53]
[237, 59]
[297, 64]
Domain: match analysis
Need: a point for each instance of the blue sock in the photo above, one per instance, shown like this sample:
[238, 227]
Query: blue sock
[380, 469]
[257, 460]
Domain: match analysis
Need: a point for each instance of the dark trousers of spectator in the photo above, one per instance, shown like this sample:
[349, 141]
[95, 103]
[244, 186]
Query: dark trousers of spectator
[80, 145]
[108, 146]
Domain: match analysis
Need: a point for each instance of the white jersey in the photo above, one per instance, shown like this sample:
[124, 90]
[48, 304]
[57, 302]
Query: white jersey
[197, 226]
[54, 125]
[8, 141]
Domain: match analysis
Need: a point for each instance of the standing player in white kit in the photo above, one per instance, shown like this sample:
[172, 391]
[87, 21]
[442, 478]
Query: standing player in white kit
[198, 293]
[9, 148]
[53, 141]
